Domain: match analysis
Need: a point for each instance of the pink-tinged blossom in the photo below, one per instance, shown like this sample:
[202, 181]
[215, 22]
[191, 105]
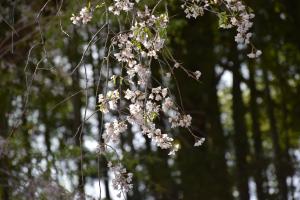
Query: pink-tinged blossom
[84, 16]
[120, 5]
[235, 15]
[121, 178]
[113, 130]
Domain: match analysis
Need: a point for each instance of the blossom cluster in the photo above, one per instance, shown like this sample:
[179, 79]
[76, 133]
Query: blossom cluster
[84, 16]
[113, 130]
[144, 108]
[144, 105]
[145, 38]
[109, 101]
[120, 5]
[139, 103]
[235, 14]
[254, 54]
[194, 8]
[121, 179]
[241, 21]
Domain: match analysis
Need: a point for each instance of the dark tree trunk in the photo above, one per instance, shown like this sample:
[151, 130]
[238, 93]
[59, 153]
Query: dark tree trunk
[44, 120]
[278, 156]
[259, 164]
[288, 156]
[4, 160]
[77, 129]
[216, 134]
[240, 134]
[77, 105]
[208, 160]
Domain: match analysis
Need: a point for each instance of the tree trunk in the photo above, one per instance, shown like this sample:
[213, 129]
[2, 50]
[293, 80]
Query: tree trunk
[77, 105]
[216, 134]
[279, 165]
[4, 160]
[259, 165]
[77, 129]
[240, 134]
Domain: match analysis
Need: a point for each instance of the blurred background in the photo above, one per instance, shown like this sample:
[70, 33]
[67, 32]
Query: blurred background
[248, 110]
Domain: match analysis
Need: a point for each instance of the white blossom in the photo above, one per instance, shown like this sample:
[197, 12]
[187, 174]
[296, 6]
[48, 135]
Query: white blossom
[197, 74]
[178, 120]
[235, 15]
[167, 104]
[174, 150]
[108, 102]
[84, 16]
[199, 142]
[121, 180]
[113, 130]
[161, 140]
[193, 10]
[251, 55]
[258, 53]
[120, 5]
[254, 54]
[75, 19]
[158, 94]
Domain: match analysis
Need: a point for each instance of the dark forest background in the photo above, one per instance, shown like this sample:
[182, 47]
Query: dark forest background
[248, 110]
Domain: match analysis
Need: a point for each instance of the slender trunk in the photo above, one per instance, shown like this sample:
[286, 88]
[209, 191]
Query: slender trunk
[48, 150]
[208, 160]
[218, 141]
[28, 156]
[26, 137]
[27, 144]
[77, 129]
[281, 177]
[49, 154]
[240, 134]
[44, 120]
[4, 160]
[77, 105]
[288, 156]
[259, 165]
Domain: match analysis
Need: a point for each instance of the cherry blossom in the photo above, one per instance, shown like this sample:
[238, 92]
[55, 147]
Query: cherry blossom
[199, 142]
[121, 179]
[139, 100]
[84, 16]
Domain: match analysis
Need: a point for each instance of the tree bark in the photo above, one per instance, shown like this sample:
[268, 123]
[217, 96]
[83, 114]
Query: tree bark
[77, 105]
[4, 160]
[216, 134]
[278, 156]
[240, 134]
[259, 164]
